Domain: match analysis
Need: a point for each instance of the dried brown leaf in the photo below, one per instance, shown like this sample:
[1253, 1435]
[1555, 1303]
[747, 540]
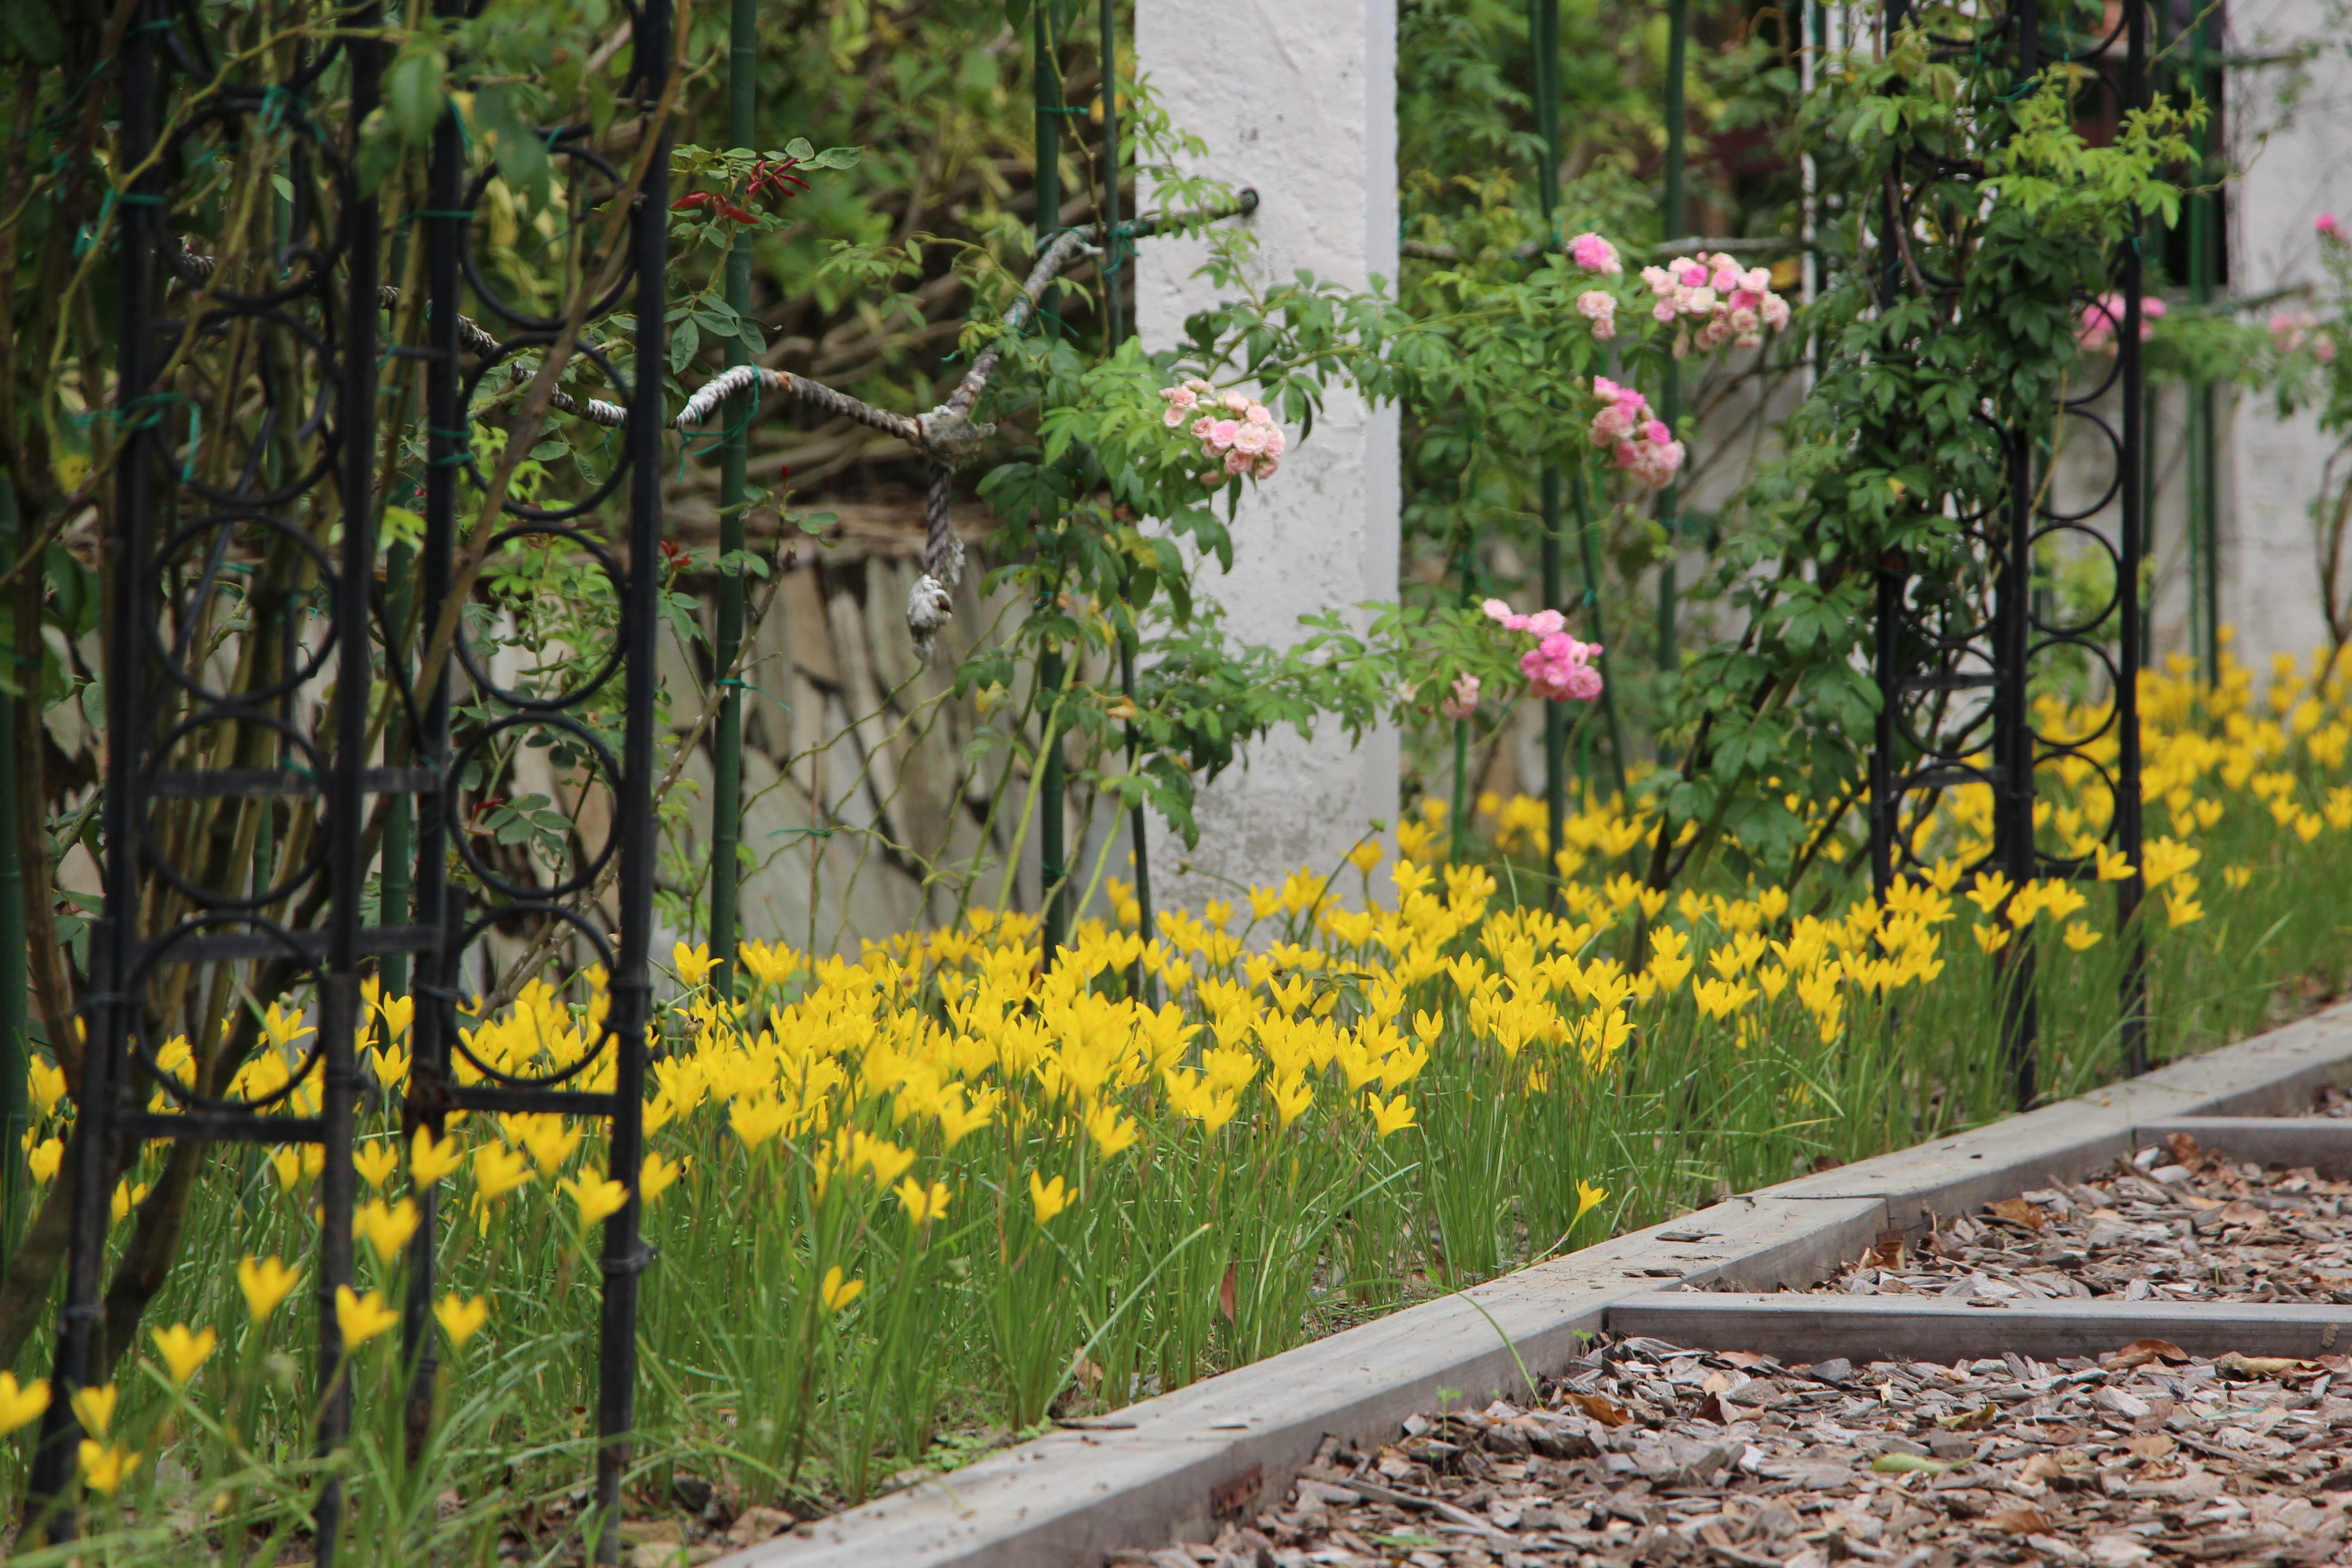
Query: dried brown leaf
[2143, 1353]
[1601, 1408]
[2151, 1445]
[2252, 1367]
[2021, 1522]
[2018, 1213]
[1975, 1420]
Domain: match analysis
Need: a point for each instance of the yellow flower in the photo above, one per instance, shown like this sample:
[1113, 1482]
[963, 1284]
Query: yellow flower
[654, 1176]
[184, 1351]
[1111, 1132]
[1389, 1117]
[498, 1170]
[2081, 937]
[1588, 1198]
[2181, 909]
[48, 1083]
[1049, 1198]
[1990, 889]
[1366, 857]
[836, 1292]
[1990, 938]
[599, 1197]
[386, 1229]
[2237, 877]
[922, 1206]
[361, 1318]
[693, 965]
[19, 1406]
[429, 1161]
[94, 1407]
[42, 1160]
[106, 1465]
[265, 1283]
[460, 1319]
[375, 1163]
[126, 1198]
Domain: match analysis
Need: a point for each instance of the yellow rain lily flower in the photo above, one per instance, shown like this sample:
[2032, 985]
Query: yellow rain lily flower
[693, 965]
[1111, 1132]
[41, 1163]
[184, 1351]
[460, 1318]
[361, 1318]
[836, 1292]
[498, 1170]
[386, 1229]
[430, 1160]
[657, 1174]
[1391, 1116]
[2082, 938]
[1047, 1199]
[1588, 1198]
[598, 1197]
[20, 1407]
[265, 1283]
[375, 1163]
[94, 1407]
[2182, 909]
[106, 1465]
[923, 1205]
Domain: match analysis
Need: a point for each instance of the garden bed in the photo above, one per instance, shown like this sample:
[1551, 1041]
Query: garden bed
[1644, 1452]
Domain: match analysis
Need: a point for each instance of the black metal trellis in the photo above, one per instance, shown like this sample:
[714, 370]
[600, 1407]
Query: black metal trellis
[242, 653]
[1956, 652]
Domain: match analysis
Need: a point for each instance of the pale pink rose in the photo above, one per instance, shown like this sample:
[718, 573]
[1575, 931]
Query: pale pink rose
[1238, 401]
[1237, 463]
[1661, 281]
[1663, 311]
[1463, 702]
[1222, 433]
[1544, 623]
[1266, 467]
[1496, 610]
[1756, 280]
[1258, 414]
[1181, 399]
[1172, 418]
[1605, 387]
[1776, 312]
[1743, 319]
[1596, 305]
[1275, 442]
[1250, 438]
[1201, 426]
[1656, 431]
[1724, 279]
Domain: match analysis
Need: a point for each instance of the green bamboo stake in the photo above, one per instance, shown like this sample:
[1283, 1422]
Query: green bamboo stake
[15, 1114]
[1051, 851]
[1543, 36]
[1670, 394]
[726, 762]
[1589, 548]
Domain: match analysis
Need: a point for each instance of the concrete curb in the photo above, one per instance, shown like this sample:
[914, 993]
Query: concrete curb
[1225, 1446]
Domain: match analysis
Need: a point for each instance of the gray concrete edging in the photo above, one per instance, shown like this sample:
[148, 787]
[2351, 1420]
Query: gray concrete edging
[1227, 1445]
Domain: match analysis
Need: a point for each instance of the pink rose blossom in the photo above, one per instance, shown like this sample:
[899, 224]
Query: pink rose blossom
[1463, 702]
[1250, 439]
[1238, 401]
[1594, 253]
[1599, 307]
[1222, 433]
[2327, 227]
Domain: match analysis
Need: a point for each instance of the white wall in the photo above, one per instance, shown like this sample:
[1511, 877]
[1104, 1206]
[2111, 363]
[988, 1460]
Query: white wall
[2298, 164]
[1305, 112]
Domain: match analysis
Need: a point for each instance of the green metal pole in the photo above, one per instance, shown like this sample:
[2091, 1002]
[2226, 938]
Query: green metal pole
[727, 762]
[1052, 853]
[2204, 248]
[396, 882]
[1670, 394]
[1115, 333]
[1589, 548]
[15, 1057]
[1543, 37]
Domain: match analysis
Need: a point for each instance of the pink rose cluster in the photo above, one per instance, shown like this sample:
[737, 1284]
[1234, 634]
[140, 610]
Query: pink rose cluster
[2104, 316]
[2327, 227]
[1637, 441]
[2293, 333]
[1730, 305]
[1236, 432]
[1559, 668]
[1597, 306]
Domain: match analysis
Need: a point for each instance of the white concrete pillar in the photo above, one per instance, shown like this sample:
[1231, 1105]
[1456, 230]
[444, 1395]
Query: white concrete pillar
[2297, 159]
[1296, 98]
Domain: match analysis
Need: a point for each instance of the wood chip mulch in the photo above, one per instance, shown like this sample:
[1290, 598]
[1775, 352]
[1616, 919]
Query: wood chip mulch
[1644, 1452]
[2177, 1224]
